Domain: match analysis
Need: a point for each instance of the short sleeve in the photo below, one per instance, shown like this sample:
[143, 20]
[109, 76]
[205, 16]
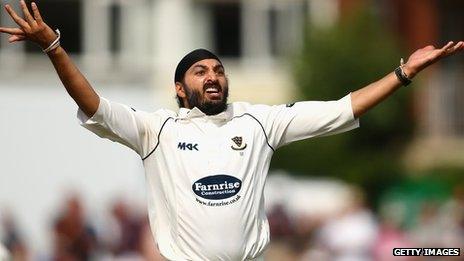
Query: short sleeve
[120, 123]
[302, 120]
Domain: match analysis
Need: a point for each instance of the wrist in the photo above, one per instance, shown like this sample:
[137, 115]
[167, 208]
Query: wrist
[55, 52]
[49, 37]
[410, 72]
[406, 70]
[55, 44]
[404, 73]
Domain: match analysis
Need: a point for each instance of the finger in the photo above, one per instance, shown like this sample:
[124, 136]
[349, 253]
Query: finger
[447, 46]
[457, 47]
[452, 49]
[16, 38]
[18, 20]
[36, 12]
[30, 20]
[16, 31]
[462, 46]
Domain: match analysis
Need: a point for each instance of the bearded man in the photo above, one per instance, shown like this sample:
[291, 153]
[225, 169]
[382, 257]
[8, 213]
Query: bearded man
[206, 164]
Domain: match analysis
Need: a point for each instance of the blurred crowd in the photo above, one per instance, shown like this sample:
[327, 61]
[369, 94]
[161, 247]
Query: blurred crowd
[126, 236]
[354, 233]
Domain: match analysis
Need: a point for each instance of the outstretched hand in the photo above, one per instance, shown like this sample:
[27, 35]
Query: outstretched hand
[428, 55]
[31, 27]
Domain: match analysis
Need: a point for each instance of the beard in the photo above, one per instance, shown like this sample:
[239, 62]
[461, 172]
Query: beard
[209, 107]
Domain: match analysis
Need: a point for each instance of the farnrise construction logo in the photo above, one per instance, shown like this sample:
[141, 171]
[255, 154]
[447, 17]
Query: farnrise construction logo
[217, 190]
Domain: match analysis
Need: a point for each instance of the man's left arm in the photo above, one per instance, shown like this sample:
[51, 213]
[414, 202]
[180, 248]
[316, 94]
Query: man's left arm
[365, 98]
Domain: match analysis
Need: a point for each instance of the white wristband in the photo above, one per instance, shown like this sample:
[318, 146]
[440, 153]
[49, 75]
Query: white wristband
[55, 43]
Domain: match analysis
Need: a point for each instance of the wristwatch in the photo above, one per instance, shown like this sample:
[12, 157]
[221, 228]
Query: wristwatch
[402, 76]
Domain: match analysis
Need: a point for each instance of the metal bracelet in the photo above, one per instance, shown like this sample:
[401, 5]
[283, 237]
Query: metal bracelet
[55, 43]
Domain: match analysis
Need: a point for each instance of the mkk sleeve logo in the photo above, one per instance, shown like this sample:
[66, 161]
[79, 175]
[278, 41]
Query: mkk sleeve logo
[187, 146]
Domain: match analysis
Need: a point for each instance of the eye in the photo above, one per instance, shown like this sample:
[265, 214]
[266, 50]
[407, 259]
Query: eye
[200, 73]
[220, 72]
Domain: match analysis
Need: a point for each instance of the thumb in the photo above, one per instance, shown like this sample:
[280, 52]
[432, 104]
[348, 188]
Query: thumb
[16, 38]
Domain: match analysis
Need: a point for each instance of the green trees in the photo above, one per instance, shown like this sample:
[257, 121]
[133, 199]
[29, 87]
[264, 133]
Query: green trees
[333, 62]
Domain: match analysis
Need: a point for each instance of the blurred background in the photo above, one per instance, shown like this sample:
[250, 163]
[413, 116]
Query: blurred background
[395, 182]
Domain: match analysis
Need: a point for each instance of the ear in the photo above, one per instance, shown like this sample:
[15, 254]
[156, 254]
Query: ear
[180, 91]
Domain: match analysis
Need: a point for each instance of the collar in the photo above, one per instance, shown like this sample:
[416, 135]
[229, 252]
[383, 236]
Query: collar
[185, 113]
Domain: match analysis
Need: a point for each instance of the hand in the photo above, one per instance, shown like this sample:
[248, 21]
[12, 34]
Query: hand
[426, 56]
[31, 28]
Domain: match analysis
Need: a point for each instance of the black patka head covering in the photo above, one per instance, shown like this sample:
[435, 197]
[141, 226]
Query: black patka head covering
[190, 59]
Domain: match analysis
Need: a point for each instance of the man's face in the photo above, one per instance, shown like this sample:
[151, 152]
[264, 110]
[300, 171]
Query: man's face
[205, 87]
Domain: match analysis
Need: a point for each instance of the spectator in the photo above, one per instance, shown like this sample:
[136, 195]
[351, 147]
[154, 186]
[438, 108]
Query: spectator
[74, 238]
[451, 218]
[351, 235]
[427, 232]
[13, 242]
[130, 228]
[391, 234]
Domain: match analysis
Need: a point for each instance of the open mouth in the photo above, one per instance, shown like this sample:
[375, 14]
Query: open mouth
[213, 91]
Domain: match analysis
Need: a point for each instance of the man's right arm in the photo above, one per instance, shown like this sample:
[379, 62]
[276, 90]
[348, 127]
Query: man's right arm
[75, 83]
[33, 28]
[120, 123]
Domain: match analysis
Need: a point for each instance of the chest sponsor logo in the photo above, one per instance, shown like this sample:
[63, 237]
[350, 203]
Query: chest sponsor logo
[238, 143]
[217, 190]
[187, 146]
[217, 187]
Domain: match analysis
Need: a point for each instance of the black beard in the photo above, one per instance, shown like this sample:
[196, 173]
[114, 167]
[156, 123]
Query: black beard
[194, 98]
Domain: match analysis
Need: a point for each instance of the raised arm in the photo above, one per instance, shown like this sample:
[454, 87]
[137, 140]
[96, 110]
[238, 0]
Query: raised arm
[33, 28]
[364, 99]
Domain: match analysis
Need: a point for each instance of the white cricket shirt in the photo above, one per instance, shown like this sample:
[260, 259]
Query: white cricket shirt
[206, 174]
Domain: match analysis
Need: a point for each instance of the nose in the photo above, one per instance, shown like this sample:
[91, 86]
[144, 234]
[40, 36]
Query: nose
[211, 76]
